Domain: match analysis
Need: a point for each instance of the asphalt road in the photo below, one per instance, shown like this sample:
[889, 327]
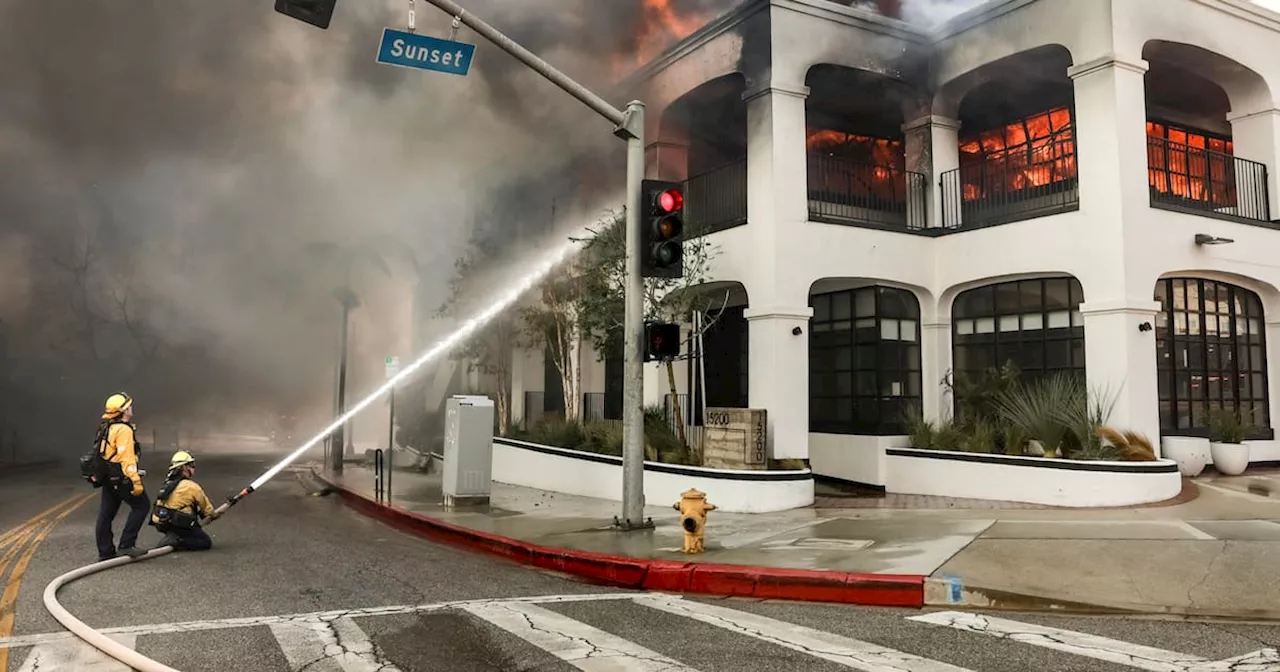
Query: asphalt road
[323, 588]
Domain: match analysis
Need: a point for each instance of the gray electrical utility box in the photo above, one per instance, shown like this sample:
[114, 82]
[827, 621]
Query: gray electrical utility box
[468, 449]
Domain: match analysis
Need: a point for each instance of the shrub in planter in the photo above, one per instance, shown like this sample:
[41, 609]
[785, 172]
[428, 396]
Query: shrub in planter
[1226, 444]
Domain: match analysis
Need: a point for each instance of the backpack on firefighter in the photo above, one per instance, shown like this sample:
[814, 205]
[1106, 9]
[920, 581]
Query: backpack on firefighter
[98, 469]
[164, 518]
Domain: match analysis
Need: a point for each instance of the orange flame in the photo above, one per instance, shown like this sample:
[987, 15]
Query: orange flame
[660, 27]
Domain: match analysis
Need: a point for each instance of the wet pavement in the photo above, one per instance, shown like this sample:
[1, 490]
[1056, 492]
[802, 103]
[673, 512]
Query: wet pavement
[1212, 555]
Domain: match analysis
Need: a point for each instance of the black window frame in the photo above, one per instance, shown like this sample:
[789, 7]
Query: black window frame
[852, 370]
[1206, 356]
[1028, 347]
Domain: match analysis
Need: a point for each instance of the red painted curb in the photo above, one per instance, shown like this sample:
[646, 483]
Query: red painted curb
[885, 590]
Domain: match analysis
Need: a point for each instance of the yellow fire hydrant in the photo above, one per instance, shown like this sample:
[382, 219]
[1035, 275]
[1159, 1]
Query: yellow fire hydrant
[693, 507]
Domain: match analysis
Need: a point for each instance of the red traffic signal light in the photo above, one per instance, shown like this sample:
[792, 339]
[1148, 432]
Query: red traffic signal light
[662, 235]
[669, 201]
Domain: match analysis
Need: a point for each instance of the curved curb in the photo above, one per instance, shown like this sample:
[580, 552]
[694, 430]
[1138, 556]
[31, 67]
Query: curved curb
[883, 590]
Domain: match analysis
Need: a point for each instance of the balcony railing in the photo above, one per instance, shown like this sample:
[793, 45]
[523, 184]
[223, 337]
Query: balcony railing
[843, 191]
[717, 199]
[1202, 181]
[999, 192]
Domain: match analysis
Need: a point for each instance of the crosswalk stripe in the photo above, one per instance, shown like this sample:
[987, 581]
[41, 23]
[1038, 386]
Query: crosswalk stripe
[252, 621]
[1100, 648]
[328, 646]
[574, 642]
[75, 655]
[848, 652]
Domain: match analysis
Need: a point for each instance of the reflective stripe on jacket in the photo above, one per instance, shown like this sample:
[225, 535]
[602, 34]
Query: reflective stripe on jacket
[120, 449]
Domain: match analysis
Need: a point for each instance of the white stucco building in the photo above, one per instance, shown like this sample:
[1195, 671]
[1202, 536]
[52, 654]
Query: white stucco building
[1027, 182]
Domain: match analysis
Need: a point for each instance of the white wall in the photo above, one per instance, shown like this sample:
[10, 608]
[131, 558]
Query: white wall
[569, 471]
[1018, 479]
[851, 457]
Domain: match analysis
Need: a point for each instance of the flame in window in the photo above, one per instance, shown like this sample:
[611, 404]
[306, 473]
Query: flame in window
[1034, 152]
[1189, 164]
[844, 165]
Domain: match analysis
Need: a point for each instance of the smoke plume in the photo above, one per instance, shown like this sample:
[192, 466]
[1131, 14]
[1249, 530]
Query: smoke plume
[184, 185]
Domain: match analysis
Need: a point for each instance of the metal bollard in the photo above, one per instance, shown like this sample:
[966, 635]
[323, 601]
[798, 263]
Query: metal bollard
[377, 474]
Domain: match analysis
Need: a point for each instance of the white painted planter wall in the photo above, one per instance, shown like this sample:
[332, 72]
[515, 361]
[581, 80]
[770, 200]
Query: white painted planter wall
[1035, 480]
[592, 475]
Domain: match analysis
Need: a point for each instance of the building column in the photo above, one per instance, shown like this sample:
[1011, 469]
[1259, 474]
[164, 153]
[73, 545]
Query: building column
[1111, 164]
[1256, 137]
[935, 361]
[779, 378]
[1120, 361]
[777, 180]
[667, 160]
[932, 147]
[1272, 352]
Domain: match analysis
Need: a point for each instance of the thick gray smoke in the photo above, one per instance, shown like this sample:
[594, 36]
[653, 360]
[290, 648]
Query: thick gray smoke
[182, 185]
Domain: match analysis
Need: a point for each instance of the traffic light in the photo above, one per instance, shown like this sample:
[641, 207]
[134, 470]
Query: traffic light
[662, 229]
[315, 12]
[661, 341]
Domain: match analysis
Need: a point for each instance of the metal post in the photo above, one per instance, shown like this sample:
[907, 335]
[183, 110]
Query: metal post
[391, 441]
[633, 325]
[339, 440]
[629, 126]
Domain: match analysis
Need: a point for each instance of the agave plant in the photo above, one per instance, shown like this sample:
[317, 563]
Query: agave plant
[1087, 412]
[1037, 409]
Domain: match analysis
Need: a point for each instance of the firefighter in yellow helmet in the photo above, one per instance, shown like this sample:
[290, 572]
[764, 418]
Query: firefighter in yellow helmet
[120, 479]
[180, 505]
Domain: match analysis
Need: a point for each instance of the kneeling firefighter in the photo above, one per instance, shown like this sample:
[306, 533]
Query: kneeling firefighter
[180, 505]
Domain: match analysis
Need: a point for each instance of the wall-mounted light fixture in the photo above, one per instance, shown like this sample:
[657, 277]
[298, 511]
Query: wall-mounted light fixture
[1145, 326]
[1206, 239]
[795, 331]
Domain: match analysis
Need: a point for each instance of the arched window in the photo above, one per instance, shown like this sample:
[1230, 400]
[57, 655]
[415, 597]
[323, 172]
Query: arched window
[864, 360]
[1036, 324]
[1210, 353]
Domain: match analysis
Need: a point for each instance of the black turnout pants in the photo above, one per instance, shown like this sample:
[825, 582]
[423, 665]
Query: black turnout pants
[187, 540]
[139, 507]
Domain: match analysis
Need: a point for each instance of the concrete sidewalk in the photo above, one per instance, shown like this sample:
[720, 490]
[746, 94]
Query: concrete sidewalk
[1215, 555]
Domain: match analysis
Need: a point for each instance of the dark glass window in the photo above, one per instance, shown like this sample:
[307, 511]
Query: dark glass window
[1210, 353]
[1035, 324]
[864, 360]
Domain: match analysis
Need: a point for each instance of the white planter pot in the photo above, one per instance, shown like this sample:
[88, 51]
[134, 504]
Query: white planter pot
[1190, 452]
[1230, 459]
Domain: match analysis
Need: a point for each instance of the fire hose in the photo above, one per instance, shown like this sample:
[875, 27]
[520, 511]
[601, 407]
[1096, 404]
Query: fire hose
[464, 331]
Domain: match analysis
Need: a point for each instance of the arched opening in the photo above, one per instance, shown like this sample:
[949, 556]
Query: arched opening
[1017, 142]
[723, 351]
[1034, 325]
[703, 143]
[857, 155]
[1191, 155]
[864, 358]
[1211, 353]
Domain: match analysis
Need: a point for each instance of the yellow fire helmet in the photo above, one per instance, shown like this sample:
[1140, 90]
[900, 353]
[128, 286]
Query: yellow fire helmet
[117, 403]
[180, 459]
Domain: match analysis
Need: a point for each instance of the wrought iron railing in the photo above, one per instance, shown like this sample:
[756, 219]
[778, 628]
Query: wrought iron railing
[593, 407]
[534, 408]
[1200, 180]
[998, 192]
[717, 199]
[843, 191]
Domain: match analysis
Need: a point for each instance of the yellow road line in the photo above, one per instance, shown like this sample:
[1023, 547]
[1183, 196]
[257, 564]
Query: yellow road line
[31, 522]
[8, 607]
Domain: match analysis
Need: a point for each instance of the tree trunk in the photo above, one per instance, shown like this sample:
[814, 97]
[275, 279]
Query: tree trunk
[504, 408]
[675, 402]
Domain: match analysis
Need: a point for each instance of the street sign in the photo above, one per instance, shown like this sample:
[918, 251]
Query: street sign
[411, 50]
[393, 366]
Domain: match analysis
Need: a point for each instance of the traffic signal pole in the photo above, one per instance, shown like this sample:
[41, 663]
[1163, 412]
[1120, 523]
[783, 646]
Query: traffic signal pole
[628, 125]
